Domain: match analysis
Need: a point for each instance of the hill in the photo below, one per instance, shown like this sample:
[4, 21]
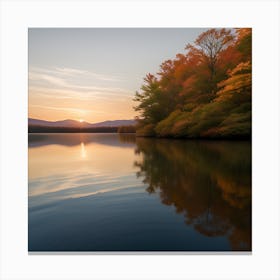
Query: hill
[76, 124]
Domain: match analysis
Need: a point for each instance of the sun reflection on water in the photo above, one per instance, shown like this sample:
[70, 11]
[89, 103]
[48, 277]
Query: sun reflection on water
[83, 151]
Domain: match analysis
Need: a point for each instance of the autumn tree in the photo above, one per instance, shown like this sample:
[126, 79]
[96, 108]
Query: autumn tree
[205, 92]
[210, 44]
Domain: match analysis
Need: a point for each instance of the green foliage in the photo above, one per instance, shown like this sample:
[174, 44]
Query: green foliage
[164, 127]
[126, 129]
[236, 124]
[153, 103]
[203, 93]
[146, 131]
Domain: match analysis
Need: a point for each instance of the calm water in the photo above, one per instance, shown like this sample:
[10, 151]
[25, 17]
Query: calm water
[110, 192]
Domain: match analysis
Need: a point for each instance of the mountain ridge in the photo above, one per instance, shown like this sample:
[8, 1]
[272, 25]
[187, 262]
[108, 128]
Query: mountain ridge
[76, 124]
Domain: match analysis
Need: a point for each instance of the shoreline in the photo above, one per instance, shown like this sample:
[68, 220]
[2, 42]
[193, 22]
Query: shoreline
[247, 138]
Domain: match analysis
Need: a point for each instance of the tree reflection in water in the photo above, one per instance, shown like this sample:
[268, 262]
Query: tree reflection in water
[209, 182]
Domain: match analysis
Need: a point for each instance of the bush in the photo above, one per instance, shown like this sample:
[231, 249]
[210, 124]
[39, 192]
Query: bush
[146, 131]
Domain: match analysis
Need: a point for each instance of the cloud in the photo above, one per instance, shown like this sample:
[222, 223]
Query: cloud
[70, 71]
[65, 72]
[76, 110]
[95, 93]
[68, 81]
[51, 79]
[73, 72]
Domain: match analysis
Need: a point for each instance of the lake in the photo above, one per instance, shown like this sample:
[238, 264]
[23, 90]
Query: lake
[116, 192]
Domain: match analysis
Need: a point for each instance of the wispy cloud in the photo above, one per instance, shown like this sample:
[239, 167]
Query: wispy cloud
[68, 81]
[77, 93]
[74, 110]
[73, 72]
[65, 72]
[68, 71]
[48, 78]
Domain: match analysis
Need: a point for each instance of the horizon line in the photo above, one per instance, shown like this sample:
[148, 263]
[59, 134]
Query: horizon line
[79, 120]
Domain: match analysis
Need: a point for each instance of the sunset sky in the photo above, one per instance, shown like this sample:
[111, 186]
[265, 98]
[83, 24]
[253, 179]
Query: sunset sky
[92, 74]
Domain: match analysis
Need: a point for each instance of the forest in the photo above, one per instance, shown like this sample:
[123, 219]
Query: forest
[204, 93]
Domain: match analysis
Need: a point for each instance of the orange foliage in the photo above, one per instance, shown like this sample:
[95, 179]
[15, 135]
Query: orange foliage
[216, 69]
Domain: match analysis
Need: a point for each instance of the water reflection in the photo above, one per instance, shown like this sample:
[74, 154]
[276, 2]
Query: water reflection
[83, 151]
[75, 165]
[208, 182]
[74, 139]
[135, 194]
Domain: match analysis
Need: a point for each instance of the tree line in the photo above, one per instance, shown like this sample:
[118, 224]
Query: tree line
[52, 129]
[126, 129]
[203, 93]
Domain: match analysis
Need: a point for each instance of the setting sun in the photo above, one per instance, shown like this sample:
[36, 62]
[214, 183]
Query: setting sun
[81, 120]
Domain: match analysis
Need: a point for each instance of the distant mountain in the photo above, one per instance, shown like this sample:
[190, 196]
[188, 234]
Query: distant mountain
[115, 123]
[74, 124]
[64, 123]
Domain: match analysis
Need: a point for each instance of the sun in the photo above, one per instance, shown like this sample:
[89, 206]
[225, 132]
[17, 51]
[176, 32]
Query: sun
[81, 120]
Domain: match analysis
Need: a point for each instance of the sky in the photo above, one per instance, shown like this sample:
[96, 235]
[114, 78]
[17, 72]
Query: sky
[92, 74]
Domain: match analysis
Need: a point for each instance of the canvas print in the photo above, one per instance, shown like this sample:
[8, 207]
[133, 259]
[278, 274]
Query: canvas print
[139, 140]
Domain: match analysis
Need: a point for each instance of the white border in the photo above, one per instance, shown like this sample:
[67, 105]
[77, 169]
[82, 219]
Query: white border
[17, 16]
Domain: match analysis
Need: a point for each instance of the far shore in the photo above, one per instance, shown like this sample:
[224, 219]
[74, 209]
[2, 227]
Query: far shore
[66, 130]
